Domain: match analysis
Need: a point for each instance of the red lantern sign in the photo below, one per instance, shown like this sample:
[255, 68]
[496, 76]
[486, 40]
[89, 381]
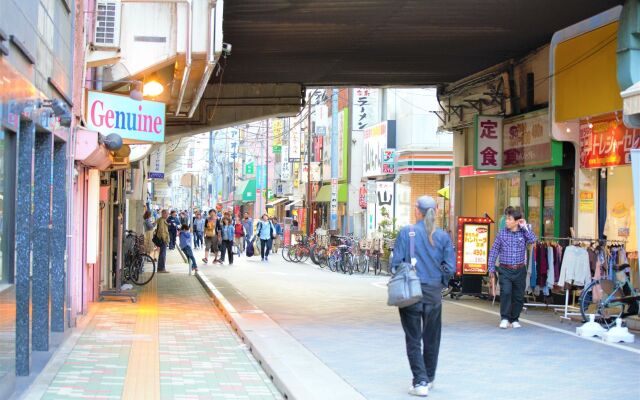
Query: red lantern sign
[362, 197]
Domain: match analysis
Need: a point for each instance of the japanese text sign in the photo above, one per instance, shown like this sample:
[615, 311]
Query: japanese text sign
[488, 155]
[473, 246]
[527, 141]
[157, 160]
[365, 108]
[607, 143]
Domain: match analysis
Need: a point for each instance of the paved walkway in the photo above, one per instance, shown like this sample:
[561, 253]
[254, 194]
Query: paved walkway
[344, 321]
[172, 344]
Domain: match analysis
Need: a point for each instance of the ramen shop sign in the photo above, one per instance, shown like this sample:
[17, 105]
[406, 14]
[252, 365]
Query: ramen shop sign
[134, 121]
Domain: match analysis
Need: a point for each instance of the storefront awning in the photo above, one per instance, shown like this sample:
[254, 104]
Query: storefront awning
[294, 204]
[245, 191]
[324, 194]
[277, 201]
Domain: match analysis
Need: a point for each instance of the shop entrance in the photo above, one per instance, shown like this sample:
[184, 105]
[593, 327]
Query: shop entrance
[544, 200]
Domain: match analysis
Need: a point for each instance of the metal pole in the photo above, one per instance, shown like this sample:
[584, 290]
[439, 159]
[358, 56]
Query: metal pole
[308, 216]
[266, 169]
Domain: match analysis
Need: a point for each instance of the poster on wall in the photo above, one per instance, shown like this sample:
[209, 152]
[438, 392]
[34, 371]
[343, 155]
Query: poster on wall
[488, 138]
[365, 108]
[606, 143]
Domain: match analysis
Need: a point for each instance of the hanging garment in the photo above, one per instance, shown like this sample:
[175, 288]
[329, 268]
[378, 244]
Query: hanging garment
[575, 267]
[551, 265]
[533, 268]
[543, 266]
[557, 261]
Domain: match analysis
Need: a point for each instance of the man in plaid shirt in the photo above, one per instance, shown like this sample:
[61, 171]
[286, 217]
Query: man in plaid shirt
[510, 247]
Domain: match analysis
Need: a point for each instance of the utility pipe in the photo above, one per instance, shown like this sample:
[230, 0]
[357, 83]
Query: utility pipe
[211, 62]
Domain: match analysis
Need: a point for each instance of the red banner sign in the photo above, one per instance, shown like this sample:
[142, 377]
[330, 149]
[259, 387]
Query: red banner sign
[607, 143]
[362, 197]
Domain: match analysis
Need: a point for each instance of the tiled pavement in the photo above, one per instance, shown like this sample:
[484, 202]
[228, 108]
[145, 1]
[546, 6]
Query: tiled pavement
[172, 344]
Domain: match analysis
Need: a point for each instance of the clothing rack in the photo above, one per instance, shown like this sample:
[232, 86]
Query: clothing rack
[567, 307]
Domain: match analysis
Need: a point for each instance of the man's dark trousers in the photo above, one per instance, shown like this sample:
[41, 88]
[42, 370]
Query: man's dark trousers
[512, 285]
[427, 314]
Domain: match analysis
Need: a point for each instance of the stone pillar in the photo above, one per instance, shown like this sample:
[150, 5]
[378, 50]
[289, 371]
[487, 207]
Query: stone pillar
[58, 237]
[41, 240]
[26, 140]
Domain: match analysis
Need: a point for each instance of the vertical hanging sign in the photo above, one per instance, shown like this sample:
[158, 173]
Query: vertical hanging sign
[488, 150]
[156, 163]
[365, 108]
[294, 144]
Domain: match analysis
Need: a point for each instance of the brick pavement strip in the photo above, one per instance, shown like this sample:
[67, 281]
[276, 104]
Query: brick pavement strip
[172, 344]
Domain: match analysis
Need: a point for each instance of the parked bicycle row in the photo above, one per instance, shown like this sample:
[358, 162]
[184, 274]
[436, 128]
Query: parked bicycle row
[346, 254]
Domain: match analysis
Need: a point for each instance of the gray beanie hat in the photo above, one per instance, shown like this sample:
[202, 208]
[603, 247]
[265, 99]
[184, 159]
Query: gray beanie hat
[424, 203]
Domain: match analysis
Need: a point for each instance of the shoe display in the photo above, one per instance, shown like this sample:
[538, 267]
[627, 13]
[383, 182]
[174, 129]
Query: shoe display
[421, 389]
[516, 325]
[504, 324]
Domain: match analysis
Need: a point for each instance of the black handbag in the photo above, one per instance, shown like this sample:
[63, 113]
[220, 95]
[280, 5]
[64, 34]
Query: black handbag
[156, 239]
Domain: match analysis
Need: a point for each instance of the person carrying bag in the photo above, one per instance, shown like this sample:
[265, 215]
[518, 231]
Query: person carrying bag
[422, 253]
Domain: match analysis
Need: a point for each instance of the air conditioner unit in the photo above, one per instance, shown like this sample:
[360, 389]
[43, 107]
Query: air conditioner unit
[107, 23]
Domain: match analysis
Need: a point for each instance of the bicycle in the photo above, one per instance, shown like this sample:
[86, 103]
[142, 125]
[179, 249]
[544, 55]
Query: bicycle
[610, 299]
[138, 267]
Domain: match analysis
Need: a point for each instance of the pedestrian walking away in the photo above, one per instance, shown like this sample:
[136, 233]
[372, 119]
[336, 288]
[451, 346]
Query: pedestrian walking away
[162, 231]
[185, 245]
[434, 261]
[239, 236]
[510, 248]
[228, 233]
[211, 237]
[265, 231]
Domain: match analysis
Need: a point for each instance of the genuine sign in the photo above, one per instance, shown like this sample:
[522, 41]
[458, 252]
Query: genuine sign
[134, 121]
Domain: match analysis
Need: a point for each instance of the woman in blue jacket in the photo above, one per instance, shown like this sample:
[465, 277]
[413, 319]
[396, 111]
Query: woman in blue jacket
[227, 238]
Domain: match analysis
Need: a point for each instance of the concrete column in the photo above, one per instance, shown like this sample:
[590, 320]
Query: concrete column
[58, 237]
[26, 140]
[41, 240]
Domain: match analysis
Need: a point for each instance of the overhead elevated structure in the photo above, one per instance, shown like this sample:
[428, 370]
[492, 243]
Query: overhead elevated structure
[279, 47]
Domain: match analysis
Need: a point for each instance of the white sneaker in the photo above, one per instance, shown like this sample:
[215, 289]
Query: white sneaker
[516, 325]
[431, 385]
[421, 389]
[504, 324]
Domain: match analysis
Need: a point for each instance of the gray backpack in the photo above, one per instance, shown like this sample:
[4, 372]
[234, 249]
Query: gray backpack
[404, 286]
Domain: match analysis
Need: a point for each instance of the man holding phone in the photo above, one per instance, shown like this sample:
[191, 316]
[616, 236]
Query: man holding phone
[510, 247]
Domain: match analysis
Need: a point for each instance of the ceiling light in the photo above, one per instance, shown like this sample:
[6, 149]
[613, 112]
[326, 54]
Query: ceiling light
[153, 89]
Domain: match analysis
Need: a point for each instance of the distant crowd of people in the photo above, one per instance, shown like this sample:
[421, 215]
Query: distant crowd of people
[219, 233]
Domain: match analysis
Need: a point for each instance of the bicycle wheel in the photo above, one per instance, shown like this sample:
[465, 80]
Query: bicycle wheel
[143, 270]
[312, 254]
[347, 261]
[363, 263]
[599, 298]
[285, 250]
[376, 264]
[321, 256]
[332, 262]
[304, 254]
